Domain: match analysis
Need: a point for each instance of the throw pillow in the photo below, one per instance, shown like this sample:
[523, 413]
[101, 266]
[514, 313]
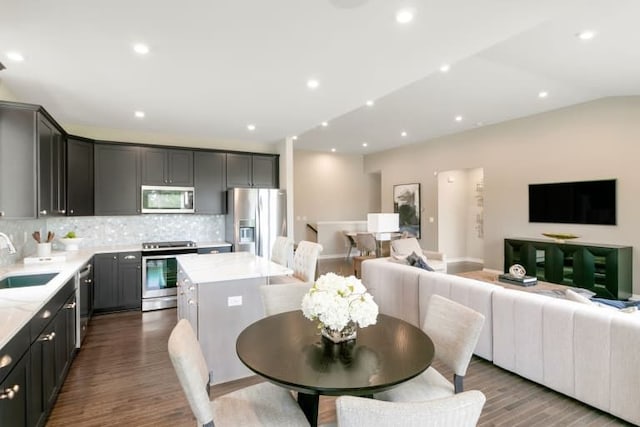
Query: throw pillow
[399, 259]
[416, 260]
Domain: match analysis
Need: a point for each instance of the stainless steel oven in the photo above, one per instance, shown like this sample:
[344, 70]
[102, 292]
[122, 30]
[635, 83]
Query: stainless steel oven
[160, 273]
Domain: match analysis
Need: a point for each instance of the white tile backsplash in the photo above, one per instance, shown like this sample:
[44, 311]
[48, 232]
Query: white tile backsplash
[112, 230]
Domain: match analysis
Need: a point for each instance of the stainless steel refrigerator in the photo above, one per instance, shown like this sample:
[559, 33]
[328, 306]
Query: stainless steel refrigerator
[255, 217]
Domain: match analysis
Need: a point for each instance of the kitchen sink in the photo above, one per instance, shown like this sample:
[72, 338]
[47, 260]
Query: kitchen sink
[25, 280]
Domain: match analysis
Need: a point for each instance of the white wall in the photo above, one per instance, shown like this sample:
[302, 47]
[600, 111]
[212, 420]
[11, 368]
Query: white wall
[595, 140]
[452, 214]
[475, 212]
[6, 94]
[328, 187]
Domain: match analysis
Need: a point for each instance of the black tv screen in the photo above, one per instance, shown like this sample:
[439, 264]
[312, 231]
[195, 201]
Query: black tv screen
[586, 202]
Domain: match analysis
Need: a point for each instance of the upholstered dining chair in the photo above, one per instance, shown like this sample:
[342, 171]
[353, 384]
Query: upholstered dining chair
[350, 243]
[282, 251]
[366, 243]
[262, 404]
[281, 298]
[305, 260]
[460, 410]
[454, 330]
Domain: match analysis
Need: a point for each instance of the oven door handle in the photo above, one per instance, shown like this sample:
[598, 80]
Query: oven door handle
[145, 257]
[85, 272]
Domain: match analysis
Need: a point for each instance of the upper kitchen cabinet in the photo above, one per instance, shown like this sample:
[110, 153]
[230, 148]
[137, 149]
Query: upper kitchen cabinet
[117, 179]
[79, 176]
[51, 168]
[162, 166]
[210, 182]
[18, 153]
[252, 170]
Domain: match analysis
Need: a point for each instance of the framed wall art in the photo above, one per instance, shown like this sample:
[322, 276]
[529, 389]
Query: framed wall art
[406, 203]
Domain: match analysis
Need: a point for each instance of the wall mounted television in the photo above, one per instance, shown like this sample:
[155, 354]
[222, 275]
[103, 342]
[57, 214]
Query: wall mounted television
[585, 202]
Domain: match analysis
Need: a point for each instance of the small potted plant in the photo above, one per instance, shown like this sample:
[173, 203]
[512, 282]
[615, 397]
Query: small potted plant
[71, 241]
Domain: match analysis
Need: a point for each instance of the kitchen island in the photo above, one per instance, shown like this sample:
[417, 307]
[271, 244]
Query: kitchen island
[220, 296]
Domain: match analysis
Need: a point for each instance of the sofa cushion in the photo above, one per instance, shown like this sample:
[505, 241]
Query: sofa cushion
[404, 247]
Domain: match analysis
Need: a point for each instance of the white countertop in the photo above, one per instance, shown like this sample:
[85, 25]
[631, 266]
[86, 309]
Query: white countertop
[228, 266]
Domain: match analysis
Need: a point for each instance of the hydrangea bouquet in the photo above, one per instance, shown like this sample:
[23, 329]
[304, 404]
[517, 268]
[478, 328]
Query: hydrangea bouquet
[339, 304]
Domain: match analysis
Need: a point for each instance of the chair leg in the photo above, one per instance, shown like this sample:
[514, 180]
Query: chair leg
[457, 383]
[348, 253]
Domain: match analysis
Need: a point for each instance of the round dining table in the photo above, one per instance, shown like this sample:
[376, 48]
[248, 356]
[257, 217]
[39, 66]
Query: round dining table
[288, 350]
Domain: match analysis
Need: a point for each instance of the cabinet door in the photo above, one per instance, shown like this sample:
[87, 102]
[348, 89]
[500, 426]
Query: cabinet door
[180, 167]
[130, 280]
[117, 180]
[238, 170]
[66, 338]
[13, 395]
[210, 182]
[51, 169]
[42, 375]
[265, 171]
[79, 177]
[154, 166]
[105, 275]
[18, 165]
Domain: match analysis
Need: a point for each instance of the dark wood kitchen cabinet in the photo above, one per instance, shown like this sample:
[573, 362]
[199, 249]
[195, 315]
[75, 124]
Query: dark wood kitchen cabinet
[18, 167]
[13, 380]
[117, 282]
[51, 168]
[252, 170]
[163, 166]
[53, 334]
[210, 182]
[117, 179]
[80, 195]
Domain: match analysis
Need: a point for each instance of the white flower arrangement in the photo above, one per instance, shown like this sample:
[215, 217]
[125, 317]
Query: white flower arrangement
[336, 300]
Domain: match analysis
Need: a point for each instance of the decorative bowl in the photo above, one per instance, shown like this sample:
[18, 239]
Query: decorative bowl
[560, 237]
[71, 244]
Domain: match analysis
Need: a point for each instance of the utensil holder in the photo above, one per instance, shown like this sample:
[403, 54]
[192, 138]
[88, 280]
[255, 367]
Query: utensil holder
[44, 249]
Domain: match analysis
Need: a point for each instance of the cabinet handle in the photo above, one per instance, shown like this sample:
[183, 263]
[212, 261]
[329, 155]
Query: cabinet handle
[71, 211]
[115, 257]
[88, 280]
[130, 257]
[62, 211]
[10, 392]
[46, 314]
[49, 337]
[1, 213]
[5, 361]
[192, 302]
[192, 288]
[43, 212]
[70, 306]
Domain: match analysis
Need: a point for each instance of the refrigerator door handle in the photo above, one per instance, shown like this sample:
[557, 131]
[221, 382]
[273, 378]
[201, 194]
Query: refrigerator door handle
[259, 230]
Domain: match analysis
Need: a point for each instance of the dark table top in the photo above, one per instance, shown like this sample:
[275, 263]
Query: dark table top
[287, 349]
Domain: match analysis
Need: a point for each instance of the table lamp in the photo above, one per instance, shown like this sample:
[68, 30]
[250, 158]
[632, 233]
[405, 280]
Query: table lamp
[383, 224]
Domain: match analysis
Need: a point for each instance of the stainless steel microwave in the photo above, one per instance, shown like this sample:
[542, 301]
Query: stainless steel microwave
[158, 199]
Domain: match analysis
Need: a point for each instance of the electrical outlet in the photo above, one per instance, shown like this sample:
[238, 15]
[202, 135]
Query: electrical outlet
[234, 301]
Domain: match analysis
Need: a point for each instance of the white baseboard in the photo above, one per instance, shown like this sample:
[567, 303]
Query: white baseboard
[465, 259]
[332, 256]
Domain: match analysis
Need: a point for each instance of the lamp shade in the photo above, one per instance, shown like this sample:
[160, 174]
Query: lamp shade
[383, 222]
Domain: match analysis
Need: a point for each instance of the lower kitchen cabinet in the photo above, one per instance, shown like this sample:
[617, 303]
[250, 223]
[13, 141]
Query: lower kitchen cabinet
[51, 353]
[117, 282]
[14, 365]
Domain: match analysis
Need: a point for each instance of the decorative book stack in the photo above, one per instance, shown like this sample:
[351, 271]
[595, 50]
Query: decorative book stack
[522, 281]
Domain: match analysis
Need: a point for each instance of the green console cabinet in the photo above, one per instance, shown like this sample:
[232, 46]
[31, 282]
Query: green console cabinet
[603, 269]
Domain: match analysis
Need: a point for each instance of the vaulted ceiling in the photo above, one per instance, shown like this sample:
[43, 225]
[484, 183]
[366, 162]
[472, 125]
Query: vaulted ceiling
[215, 67]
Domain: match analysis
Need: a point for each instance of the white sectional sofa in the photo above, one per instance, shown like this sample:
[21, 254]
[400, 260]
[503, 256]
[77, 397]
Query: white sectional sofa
[586, 352]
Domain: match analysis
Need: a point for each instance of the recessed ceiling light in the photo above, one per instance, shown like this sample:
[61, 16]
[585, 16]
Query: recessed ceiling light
[543, 94]
[586, 35]
[333, 150]
[313, 84]
[458, 118]
[324, 124]
[369, 103]
[364, 144]
[295, 137]
[404, 16]
[141, 48]
[15, 56]
[445, 68]
[139, 114]
[251, 127]
[403, 133]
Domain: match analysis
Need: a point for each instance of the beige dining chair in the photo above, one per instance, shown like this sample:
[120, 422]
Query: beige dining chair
[281, 298]
[262, 404]
[454, 330]
[367, 244]
[282, 251]
[350, 242]
[460, 410]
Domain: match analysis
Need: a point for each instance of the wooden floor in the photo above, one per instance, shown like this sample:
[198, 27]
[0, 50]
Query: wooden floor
[122, 376]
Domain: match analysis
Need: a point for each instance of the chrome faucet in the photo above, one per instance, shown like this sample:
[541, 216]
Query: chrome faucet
[12, 249]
